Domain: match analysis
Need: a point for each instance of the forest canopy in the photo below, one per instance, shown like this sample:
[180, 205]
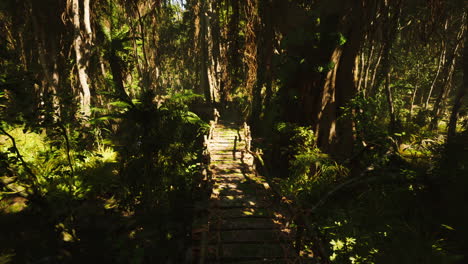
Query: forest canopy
[358, 110]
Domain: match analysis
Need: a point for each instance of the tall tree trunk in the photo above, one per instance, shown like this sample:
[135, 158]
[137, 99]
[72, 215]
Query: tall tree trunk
[145, 72]
[347, 81]
[369, 60]
[439, 67]
[462, 91]
[316, 99]
[360, 73]
[449, 70]
[389, 32]
[116, 70]
[370, 87]
[81, 60]
[204, 78]
[265, 54]
[51, 76]
[251, 45]
[326, 117]
[413, 95]
[391, 107]
[215, 48]
[233, 50]
[87, 21]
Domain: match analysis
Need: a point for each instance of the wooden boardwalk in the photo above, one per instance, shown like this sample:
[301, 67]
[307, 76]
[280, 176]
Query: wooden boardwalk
[244, 224]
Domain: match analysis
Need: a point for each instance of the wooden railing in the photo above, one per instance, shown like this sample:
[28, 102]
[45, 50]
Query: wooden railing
[297, 215]
[206, 161]
[197, 254]
[247, 138]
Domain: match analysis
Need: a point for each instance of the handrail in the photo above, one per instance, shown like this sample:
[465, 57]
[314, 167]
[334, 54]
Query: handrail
[206, 141]
[247, 137]
[298, 215]
[207, 177]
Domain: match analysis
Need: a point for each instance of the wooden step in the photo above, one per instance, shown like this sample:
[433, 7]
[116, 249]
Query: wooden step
[244, 223]
[235, 251]
[249, 237]
[241, 212]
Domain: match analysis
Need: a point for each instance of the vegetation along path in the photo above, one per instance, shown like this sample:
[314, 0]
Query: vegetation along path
[245, 225]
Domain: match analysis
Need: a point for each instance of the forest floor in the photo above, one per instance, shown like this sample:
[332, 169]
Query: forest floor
[245, 222]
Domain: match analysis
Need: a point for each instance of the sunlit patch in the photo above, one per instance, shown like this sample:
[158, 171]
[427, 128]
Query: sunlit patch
[13, 205]
[277, 222]
[68, 235]
[110, 203]
[279, 215]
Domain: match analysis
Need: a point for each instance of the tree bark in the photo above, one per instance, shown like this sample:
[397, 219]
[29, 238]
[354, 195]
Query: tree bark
[251, 46]
[449, 70]
[116, 70]
[347, 84]
[360, 73]
[215, 48]
[374, 73]
[204, 78]
[267, 50]
[439, 67]
[369, 60]
[391, 108]
[389, 32]
[87, 20]
[52, 77]
[462, 91]
[326, 117]
[413, 95]
[81, 60]
[233, 51]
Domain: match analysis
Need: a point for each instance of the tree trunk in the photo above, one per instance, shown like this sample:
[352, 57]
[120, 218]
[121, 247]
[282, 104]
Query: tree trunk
[391, 108]
[439, 67]
[116, 70]
[413, 95]
[81, 60]
[389, 32]
[347, 85]
[449, 70]
[145, 72]
[370, 88]
[362, 61]
[462, 91]
[251, 46]
[204, 78]
[265, 54]
[233, 50]
[326, 116]
[316, 99]
[369, 60]
[51, 77]
[215, 48]
[87, 21]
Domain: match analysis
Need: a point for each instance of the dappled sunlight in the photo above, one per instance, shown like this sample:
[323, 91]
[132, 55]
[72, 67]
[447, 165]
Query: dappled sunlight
[12, 205]
[243, 220]
[256, 131]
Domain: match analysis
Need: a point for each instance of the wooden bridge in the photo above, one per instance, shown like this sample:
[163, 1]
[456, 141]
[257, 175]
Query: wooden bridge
[243, 221]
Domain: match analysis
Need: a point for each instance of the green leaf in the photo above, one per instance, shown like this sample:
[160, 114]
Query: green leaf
[120, 104]
[448, 227]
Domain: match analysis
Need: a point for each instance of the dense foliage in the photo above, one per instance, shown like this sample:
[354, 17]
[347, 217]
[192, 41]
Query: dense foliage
[358, 108]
